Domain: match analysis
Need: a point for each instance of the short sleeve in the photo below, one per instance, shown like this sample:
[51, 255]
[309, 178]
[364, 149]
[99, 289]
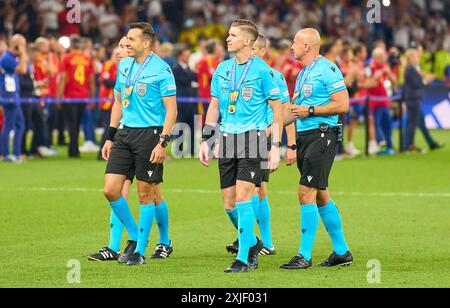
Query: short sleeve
[270, 88]
[215, 84]
[117, 87]
[334, 81]
[167, 86]
[283, 89]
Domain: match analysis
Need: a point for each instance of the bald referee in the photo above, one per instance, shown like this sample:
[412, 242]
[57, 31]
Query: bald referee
[320, 96]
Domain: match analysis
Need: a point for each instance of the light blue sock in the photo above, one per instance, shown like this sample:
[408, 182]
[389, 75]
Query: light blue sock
[264, 223]
[145, 226]
[233, 215]
[162, 219]
[255, 204]
[122, 211]
[246, 231]
[309, 225]
[115, 233]
[333, 223]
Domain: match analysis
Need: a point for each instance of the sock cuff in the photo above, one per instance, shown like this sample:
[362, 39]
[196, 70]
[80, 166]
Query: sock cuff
[309, 208]
[331, 206]
[147, 207]
[231, 211]
[162, 207]
[244, 205]
[117, 202]
[163, 204]
[265, 200]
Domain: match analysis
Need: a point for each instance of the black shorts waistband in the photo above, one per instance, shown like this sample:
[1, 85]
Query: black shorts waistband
[143, 128]
[317, 131]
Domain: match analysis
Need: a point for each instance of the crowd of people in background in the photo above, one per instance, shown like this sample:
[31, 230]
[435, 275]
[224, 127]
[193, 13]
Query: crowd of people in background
[414, 37]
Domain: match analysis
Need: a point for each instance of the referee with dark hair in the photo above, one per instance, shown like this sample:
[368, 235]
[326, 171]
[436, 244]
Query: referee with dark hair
[320, 96]
[146, 88]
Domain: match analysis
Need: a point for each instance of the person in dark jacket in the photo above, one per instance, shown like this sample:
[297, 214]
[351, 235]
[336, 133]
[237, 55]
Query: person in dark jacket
[33, 113]
[414, 93]
[187, 87]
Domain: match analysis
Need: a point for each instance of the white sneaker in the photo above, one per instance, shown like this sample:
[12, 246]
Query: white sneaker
[373, 147]
[43, 151]
[12, 159]
[53, 152]
[89, 147]
[352, 150]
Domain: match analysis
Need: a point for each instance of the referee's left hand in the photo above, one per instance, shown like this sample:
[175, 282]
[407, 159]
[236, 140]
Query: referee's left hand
[299, 111]
[158, 155]
[274, 159]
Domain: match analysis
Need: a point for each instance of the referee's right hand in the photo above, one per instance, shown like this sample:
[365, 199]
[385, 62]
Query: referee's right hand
[107, 149]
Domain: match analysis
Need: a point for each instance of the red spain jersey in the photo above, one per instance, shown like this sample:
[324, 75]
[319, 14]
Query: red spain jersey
[290, 68]
[79, 69]
[380, 89]
[108, 74]
[46, 68]
[206, 68]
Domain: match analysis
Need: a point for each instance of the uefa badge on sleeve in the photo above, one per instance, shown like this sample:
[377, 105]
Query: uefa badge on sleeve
[307, 90]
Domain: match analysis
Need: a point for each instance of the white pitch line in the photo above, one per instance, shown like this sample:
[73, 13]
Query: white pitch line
[205, 191]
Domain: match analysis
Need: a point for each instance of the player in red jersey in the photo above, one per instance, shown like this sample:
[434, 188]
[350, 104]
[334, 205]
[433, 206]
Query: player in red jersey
[77, 82]
[206, 68]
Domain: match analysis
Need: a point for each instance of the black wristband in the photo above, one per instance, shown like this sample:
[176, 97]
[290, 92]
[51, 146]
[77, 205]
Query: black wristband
[111, 133]
[292, 147]
[208, 132]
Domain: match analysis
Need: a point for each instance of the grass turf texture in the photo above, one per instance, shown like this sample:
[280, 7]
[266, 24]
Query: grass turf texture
[53, 210]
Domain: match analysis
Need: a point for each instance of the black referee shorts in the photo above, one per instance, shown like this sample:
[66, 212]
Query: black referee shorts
[130, 154]
[240, 158]
[315, 157]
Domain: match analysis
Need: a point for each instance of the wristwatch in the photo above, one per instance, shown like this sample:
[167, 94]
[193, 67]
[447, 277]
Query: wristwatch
[164, 140]
[311, 111]
[292, 147]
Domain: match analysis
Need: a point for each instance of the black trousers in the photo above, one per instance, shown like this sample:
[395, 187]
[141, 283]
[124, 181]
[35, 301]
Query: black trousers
[186, 114]
[105, 117]
[55, 121]
[36, 121]
[72, 116]
[414, 113]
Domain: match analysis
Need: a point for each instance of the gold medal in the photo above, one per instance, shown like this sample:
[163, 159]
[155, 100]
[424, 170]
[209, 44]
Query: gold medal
[294, 98]
[232, 109]
[234, 96]
[125, 103]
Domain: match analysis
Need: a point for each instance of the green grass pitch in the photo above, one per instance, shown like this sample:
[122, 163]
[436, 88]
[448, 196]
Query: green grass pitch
[395, 210]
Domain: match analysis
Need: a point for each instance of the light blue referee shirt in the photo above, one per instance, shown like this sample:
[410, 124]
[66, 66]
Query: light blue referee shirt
[146, 107]
[323, 80]
[284, 91]
[252, 105]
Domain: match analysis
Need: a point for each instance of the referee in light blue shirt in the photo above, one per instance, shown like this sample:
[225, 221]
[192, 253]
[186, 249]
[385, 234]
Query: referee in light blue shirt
[146, 88]
[243, 89]
[320, 96]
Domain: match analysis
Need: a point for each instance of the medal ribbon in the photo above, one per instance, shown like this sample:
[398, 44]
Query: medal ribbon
[300, 83]
[234, 90]
[130, 84]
